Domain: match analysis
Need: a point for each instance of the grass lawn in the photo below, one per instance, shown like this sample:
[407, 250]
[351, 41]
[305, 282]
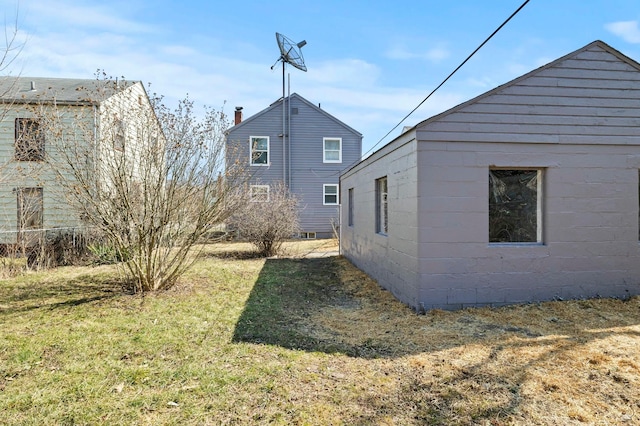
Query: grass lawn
[303, 341]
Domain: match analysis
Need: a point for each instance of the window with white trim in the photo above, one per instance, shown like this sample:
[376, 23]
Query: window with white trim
[259, 150]
[382, 209]
[332, 150]
[329, 194]
[259, 193]
[515, 206]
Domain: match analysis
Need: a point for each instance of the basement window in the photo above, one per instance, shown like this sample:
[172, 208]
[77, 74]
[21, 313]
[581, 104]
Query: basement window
[515, 210]
[259, 193]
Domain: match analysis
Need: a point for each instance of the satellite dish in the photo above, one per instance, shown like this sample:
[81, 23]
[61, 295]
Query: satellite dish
[291, 52]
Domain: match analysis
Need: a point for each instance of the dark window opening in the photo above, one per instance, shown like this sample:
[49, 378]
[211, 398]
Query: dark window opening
[29, 140]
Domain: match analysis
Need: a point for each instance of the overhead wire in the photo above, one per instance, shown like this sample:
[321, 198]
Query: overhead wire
[448, 77]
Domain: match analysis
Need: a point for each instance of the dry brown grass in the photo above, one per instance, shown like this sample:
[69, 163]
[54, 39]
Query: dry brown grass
[549, 363]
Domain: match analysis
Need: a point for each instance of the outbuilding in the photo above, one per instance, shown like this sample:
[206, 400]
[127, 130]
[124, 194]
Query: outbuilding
[528, 192]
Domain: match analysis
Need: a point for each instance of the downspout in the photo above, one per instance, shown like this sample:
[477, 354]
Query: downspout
[96, 123]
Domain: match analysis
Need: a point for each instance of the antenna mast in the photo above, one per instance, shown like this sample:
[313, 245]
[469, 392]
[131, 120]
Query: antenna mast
[290, 53]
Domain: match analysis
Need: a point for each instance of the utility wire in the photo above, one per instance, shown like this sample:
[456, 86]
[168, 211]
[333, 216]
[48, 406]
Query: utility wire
[449, 76]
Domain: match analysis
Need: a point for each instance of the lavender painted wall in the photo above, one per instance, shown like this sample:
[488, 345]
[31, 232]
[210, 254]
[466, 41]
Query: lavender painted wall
[577, 121]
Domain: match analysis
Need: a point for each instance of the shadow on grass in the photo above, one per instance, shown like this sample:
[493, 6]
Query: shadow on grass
[286, 294]
[29, 295]
[293, 300]
[314, 305]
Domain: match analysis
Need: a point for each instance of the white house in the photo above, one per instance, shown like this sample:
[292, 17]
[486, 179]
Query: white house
[528, 192]
[38, 116]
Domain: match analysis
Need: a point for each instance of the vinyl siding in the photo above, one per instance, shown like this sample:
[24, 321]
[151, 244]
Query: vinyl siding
[308, 172]
[79, 125]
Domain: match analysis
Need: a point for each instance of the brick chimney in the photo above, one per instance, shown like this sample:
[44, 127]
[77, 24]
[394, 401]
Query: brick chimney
[238, 116]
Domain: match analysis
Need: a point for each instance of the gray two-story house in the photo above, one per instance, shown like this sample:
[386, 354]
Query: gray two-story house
[298, 143]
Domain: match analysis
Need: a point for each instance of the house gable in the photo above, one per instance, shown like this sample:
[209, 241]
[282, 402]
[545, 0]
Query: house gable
[586, 97]
[277, 105]
[300, 161]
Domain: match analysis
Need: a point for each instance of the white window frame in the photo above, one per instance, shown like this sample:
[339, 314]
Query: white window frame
[253, 196]
[325, 150]
[382, 206]
[324, 194]
[251, 151]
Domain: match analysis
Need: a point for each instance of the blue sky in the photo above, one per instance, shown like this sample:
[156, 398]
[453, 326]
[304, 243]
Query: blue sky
[369, 62]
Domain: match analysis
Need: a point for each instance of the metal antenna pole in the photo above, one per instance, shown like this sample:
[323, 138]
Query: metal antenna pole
[284, 133]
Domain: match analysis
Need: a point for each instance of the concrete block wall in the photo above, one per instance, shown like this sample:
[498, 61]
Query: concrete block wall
[390, 259]
[589, 206]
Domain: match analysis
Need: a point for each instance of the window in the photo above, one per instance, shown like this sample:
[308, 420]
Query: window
[514, 206]
[259, 193]
[119, 134]
[30, 214]
[350, 208]
[29, 140]
[382, 219]
[332, 150]
[308, 235]
[329, 194]
[259, 150]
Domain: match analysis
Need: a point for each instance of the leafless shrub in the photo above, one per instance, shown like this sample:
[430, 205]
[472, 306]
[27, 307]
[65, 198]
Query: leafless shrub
[269, 220]
[149, 179]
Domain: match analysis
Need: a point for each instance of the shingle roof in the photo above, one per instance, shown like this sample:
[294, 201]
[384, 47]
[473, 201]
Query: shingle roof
[62, 90]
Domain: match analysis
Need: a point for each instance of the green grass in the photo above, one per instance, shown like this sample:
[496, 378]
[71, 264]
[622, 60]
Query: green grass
[302, 341]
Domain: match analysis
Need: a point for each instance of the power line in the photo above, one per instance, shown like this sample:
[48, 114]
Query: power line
[449, 76]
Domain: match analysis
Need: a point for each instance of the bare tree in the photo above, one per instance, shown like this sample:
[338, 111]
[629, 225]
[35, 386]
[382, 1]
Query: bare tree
[269, 219]
[150, 178]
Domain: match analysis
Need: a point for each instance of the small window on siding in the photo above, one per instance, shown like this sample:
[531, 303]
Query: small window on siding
[515, 206]
[259, 150]
[329, 194]
[259, 193]
[382, 209]
[332, 150]
[350, 207]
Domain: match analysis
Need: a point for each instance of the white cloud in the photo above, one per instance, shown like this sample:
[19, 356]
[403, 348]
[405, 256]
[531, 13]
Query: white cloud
[627, 30]
[71, 14]
[401, 52]
[344, 72]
